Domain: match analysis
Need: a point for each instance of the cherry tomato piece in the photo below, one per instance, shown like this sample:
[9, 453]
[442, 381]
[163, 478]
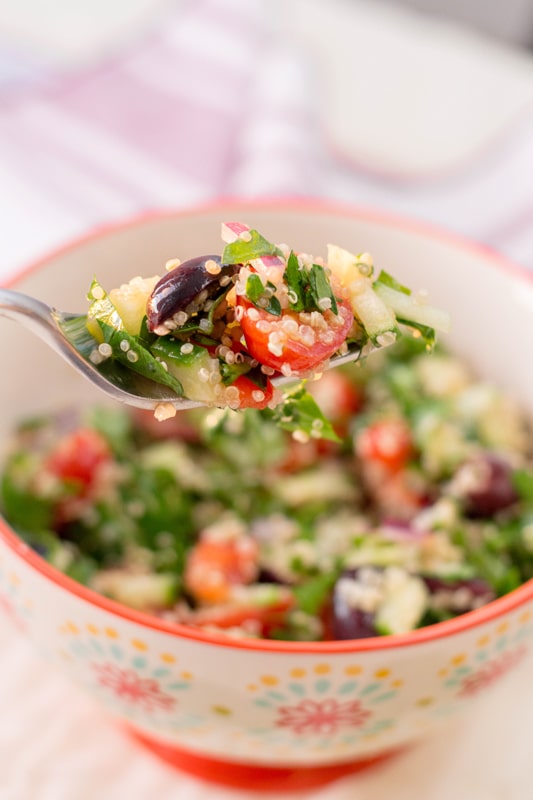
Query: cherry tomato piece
[291, 339]
[215, 566]
[260, 619]
[387, 442]
[251, 395]
[78, 457]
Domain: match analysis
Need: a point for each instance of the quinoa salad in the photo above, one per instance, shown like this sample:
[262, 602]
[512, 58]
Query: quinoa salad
[223, 329]
[418, 509]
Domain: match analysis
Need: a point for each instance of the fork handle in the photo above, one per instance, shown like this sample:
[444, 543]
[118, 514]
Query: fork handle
[33, 314]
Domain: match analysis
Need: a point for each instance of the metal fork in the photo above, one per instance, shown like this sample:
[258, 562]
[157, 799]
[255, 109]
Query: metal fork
[67, 334]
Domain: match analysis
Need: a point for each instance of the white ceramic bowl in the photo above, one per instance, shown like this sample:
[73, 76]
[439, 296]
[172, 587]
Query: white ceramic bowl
[268, 714]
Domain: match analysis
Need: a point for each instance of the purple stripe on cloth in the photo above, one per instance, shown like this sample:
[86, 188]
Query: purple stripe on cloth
[188, 125]
[183, 134]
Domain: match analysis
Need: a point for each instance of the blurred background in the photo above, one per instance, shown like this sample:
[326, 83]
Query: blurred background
[111, 108]
[419, 107]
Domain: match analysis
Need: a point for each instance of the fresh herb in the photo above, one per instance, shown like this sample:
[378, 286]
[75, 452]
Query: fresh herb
[297, 282]
[523, 484]
[387, 280]
[167, 348]
[309, 289]
[312, 596]
[102, 309]
[127, 351]
[300, 413]
[256, 294]
[427, 334]
[320, 288]
[242, 252]
[231, 372]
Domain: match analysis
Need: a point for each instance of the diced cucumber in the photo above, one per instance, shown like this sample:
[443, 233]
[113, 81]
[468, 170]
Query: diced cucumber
[375, 316]
[130, 301]
[197, 371]
[315, 486]
[408, 307]
[348, 267]
[403, 605]
[142, 591]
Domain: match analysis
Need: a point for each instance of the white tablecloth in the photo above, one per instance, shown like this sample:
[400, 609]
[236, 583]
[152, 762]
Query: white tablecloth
[188, 102]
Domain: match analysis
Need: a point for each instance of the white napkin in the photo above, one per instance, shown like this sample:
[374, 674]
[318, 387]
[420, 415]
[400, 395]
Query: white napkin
[69, 34]
[409, 95]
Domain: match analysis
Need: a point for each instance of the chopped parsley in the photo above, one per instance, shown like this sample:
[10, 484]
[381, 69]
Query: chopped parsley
[243, 251]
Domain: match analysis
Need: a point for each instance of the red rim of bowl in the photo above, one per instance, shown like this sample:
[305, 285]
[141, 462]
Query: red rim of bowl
[518, 597]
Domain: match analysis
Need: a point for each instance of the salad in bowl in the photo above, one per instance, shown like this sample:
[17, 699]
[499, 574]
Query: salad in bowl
[418, 506]
[259, 602]
[219, 329]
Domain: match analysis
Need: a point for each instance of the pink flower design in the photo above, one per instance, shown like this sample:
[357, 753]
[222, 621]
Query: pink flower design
[491, 672]
[326, 716]
[9, 608]
[128, 685]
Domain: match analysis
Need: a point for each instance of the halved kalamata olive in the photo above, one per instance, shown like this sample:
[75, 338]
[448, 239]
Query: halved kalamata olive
[185, 290]
[350, 619]
[352, 624]
[458, 596]
[485, 486]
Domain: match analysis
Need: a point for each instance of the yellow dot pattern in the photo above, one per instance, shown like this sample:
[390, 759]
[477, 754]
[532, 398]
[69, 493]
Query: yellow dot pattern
[269, 680]
[353, 669]
[459, 659]
[424, 702]
[222, 711]
[503, 628]
[381, 673]
[298, 672]
[72, 628]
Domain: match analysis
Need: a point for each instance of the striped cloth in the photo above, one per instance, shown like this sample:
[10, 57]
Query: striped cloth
[214, 102]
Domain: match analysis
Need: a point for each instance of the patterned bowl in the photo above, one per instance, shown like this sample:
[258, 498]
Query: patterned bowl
[266, 714]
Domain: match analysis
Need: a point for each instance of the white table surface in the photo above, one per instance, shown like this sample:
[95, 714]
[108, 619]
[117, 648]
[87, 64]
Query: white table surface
[129, 126]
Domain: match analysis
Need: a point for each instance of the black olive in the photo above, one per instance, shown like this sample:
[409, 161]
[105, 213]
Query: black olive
[346, 621]
[186, 289]
[459, 595]
[485, 486]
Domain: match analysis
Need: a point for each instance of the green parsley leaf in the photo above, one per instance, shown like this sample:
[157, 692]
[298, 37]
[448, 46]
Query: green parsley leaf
[523, 483]
[145, 363]
[242, 252]
[230, 372]
[321, 288]
[312, 595]
[387, 280]
[297, 281]
[102, 309]
[427, 334]
[299, 412]
[255, 292]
